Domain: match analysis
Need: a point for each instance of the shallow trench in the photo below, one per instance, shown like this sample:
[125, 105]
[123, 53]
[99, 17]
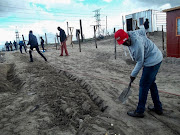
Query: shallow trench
[71, 100]
[9, 81]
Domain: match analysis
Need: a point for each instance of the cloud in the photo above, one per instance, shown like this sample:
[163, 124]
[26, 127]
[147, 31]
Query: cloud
[47, 2]
[157, 3]
[165, 6]
[6, 35]
[107, 0]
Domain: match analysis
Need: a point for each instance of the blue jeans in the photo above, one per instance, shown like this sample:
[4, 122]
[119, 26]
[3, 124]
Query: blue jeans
[148, 82]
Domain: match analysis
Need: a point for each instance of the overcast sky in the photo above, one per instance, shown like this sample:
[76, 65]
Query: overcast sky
[43, 16]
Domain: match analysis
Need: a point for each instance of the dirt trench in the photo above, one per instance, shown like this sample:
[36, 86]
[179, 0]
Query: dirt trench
[41, 100]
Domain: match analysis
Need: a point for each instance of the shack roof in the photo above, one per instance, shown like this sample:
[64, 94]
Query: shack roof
[171, 9]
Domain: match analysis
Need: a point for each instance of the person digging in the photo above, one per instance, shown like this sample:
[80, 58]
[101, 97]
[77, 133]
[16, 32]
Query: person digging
[149, 57]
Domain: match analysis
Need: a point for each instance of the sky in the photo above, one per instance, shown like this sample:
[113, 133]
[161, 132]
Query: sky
[44, 16]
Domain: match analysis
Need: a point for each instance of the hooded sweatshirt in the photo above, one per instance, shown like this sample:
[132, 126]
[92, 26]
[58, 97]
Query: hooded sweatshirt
[143, 51]
[32, 40]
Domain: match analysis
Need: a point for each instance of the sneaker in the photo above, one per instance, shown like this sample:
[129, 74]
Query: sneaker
[31, 61]
[60, 55]
[151, 108]
[135, 114]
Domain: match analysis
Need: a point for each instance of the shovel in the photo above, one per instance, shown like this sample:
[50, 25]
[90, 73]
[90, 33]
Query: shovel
[126, 93]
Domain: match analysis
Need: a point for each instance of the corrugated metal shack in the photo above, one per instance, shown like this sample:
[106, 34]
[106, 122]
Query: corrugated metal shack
[173, 32]
[156, 20]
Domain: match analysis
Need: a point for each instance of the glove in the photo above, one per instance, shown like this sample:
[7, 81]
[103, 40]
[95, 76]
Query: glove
[132, 78]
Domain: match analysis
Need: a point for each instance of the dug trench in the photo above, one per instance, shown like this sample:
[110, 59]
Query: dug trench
[40, 99]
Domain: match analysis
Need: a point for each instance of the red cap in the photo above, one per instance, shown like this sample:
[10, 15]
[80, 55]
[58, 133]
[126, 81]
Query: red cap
[121, 36]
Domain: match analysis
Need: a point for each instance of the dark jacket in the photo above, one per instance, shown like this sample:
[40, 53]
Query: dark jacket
[62, 35]
[32, 40]
[42, 41]
[21, 43]
[146, 24]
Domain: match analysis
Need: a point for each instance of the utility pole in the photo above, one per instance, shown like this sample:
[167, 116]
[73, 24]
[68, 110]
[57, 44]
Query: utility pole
[98, 20]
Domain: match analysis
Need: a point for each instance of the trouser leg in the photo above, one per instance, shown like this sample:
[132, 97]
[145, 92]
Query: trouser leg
[30, 54]
[37, 49]
[155, 97]
[62, 47]
[20, 48]
[42, 47]
[65, 47]
[25, 48]
[147, 81]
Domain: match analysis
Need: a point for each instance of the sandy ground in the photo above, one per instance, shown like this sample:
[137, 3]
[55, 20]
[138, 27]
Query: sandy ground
[78, 94]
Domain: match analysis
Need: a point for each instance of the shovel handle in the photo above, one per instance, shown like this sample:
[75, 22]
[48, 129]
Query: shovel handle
[129, 84]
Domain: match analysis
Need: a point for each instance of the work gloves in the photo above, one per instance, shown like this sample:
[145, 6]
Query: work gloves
[132, 78]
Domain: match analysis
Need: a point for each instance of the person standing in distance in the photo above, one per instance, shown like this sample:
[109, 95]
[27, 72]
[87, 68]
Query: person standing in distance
[42, 43]
[63, 39]
[33, 44]
[146, 26]
[149, 57]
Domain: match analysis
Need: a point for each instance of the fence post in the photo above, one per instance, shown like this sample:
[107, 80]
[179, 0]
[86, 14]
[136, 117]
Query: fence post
[95, 36]
[123, 22]
[115, 44]
[106, 25]
[79, 43]
[55, 43]
[81, 30]
[67, 29]
[46, 38]
[162, 38]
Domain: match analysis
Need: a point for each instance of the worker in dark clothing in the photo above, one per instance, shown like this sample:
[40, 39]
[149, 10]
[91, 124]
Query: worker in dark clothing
[42, 43]
[146, 26]
[63, 39]
[15, 44]
[21, 43]
[7, 46]
[11, 46]
[34, 44]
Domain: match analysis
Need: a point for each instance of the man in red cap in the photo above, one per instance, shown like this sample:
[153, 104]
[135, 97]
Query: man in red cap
[147, 55]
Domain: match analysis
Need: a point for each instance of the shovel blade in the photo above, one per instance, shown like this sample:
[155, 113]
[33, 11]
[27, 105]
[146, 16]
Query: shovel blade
[125, 94]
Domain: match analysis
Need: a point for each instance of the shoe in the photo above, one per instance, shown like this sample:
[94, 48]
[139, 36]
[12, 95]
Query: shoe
[135, 114]
[60, 55]
[151, 108]
[31, 61]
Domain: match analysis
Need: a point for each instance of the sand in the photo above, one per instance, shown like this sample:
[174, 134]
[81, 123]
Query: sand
[78, 94]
